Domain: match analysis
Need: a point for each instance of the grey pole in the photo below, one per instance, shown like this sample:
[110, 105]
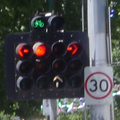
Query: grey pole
[49, 5]
[83, 27]
[53, 109]
[98, 52]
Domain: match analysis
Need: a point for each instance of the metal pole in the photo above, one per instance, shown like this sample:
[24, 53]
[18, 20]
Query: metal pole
[53, 109]
[49, 5]
[83, 27]
[98, 53]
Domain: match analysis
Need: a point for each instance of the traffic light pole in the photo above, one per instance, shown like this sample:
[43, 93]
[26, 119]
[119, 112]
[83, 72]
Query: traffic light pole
[49, 5]
[53, 109]
[98, 52]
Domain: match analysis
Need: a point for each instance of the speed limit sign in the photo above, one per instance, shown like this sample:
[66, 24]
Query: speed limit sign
[98, 85]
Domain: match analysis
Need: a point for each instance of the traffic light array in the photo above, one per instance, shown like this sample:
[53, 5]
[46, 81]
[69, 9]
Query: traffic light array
[43, 65]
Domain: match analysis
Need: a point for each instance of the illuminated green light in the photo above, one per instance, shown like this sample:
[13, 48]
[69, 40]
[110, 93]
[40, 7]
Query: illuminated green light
[38, 23]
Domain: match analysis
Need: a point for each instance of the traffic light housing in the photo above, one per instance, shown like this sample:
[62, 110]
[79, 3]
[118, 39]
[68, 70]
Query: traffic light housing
[47, 22]
[46, 65]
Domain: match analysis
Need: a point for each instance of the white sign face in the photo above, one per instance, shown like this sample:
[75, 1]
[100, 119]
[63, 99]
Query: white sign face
[98, 85]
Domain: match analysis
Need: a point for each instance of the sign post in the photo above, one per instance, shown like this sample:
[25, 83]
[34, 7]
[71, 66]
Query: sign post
[98, 57]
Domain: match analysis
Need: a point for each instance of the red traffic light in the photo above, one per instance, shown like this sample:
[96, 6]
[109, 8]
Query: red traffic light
[41, 50]
[24, 50]
[74, 48]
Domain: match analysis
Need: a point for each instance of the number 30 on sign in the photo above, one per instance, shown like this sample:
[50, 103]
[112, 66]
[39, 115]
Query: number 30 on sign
[98, 85]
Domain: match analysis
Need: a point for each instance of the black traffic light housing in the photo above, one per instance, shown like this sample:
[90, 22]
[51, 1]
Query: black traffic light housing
[47, 22]
[46, 65]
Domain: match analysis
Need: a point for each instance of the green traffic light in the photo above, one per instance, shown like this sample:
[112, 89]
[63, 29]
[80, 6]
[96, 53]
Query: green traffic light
[38, 23]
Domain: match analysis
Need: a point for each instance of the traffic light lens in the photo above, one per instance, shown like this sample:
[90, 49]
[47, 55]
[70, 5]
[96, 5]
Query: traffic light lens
[75, 65]
[59, 49]
[59, 65]
[74, 49]
[43, 66]
[39, 23]
[57, 22]
[25, 83]
[25, 67]
[59, 81]
[24, 50]
[43, 82]
[41, 50]
[75, 81]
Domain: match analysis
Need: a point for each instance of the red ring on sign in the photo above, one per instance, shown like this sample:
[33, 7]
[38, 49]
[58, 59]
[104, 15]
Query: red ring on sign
[111, 84]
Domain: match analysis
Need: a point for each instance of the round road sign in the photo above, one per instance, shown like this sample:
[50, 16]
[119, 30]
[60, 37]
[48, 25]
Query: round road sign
[98, 85]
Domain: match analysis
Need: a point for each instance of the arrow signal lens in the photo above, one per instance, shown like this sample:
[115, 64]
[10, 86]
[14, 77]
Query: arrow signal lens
[24, 50]
[74, 49]
[59, 81]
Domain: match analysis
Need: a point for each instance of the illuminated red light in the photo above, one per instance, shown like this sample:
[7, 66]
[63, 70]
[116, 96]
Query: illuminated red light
[74, 49]
[69, 49]
[41, 50]
[20, 51]
[24, 50]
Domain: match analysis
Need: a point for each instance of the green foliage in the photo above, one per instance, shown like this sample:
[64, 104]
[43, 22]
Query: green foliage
[115, 26]
[78, 115]
[4, 116]
[116, 57]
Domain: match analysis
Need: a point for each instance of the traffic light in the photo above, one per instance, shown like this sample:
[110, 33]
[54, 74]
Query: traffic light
[46, 65]
[47, 22]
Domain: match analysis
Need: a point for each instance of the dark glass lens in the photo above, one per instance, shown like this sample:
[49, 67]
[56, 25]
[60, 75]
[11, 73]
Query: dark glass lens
[59, 65]
[43, 82]
[59, 49]
[75, 81]
[25, 67]
[43, 66]
[58, 23]
[75, 65]
[25, 83]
